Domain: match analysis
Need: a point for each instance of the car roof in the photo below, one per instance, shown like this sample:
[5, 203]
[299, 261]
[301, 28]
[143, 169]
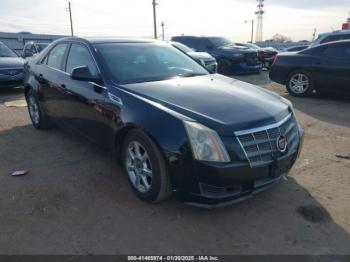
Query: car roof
[99, 40]
[340, 32]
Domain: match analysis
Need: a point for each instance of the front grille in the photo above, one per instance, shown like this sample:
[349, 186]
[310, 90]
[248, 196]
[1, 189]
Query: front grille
[260, 144]
[10, 72]
[251, 58]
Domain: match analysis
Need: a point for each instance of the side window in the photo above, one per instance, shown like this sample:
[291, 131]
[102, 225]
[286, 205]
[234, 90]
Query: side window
[203, 44]
[27, 48]
[189, 41]
[33, 49]
[80, 56]
[56, 55]
[331, 39]
[338, 52]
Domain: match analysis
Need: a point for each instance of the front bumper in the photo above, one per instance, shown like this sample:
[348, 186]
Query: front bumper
[244, 68]
[219, 184]
[7, 81]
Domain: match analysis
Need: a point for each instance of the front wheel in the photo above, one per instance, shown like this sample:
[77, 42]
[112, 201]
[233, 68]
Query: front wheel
[145, 167]
[300, 84]
[224, 66]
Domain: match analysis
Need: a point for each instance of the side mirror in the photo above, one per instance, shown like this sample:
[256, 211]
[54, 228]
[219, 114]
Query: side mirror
[82, 73]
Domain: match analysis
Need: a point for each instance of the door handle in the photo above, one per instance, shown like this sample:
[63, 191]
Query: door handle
[98, 88]
[64, 87]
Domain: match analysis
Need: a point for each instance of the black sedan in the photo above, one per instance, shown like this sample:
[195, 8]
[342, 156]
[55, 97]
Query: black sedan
[11, 68]
[205, 138]
[325, 68]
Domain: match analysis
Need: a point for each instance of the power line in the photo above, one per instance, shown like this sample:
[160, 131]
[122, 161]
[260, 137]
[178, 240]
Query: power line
[93, 10]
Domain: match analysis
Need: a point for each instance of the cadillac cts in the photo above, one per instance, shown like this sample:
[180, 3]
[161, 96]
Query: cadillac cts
[206, 139]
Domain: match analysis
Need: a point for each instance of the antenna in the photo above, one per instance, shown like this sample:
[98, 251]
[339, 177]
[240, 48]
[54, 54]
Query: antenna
[259, 27]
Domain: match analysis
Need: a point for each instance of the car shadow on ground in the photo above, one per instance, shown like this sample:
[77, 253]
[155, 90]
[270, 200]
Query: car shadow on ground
[76, 200]
[334, 110]
[7, 94]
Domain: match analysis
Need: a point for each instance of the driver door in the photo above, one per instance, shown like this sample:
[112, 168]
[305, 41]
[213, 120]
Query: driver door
[85, 100]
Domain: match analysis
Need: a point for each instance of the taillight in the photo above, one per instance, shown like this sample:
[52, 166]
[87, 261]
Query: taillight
[277, 57]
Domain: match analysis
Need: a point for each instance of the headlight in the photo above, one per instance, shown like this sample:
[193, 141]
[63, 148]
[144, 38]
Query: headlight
[206, 144]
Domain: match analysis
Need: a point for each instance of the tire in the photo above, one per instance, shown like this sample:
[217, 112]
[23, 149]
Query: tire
[153, 186]
[300, 83]
[224, 67]
[39, 119]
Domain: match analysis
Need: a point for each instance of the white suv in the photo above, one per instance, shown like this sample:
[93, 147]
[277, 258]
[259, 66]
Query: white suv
[331, 37]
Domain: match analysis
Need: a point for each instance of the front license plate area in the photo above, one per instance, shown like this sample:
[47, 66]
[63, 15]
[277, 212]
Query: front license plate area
[279, 168]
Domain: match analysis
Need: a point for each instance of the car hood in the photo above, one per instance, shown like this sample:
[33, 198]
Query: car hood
[11, 62]
[221, 103]
[200, 55]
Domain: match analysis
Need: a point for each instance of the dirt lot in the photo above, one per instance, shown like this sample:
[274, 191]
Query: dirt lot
[76, 200]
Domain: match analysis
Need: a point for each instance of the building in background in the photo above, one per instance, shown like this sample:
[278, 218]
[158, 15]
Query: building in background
[16, 41]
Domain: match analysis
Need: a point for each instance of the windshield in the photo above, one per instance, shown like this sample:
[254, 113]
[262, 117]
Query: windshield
[182, 47]
[6, 52]
[220, 41]
[41, 47]
[144, 62]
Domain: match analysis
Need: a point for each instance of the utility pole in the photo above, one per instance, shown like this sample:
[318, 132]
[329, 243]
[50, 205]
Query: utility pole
[71, 20]
[154, 19]
[314, 34]
[163, 30]
[252, 33]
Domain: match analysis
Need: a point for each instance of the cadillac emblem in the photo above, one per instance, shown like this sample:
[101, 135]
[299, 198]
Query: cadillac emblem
[282, 143]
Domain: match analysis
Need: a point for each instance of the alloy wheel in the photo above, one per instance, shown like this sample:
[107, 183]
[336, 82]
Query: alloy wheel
[33, 108]
[299, 83]
[139, 167]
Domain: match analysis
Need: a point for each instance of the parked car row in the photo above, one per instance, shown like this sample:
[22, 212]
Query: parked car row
[176, 127]
[12, 66]
[231, 59]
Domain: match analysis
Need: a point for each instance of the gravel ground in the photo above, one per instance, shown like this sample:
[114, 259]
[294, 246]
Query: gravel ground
[76, 199]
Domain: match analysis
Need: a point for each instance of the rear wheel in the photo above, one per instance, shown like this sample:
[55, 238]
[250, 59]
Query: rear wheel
[39, 119]
[145, 167]
[300, 83]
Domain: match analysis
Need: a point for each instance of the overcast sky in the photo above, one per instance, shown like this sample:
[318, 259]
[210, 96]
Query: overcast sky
[294, 18]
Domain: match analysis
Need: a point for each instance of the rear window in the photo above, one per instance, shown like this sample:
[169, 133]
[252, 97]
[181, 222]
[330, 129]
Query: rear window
[338, 52]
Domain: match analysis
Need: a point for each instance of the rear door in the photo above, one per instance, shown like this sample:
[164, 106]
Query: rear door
[86, 112]
[336, 69]
[49, 73]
